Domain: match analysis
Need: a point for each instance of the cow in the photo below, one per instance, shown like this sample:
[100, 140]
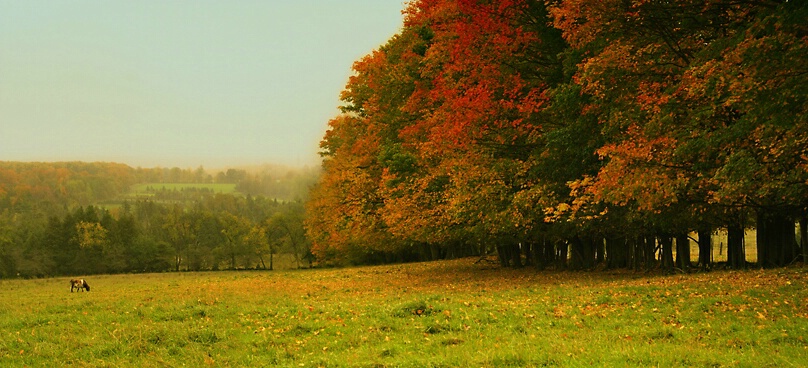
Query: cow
[79, 284]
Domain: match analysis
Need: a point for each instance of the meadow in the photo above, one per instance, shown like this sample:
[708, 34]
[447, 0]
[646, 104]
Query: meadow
[168, 193]
[150, 188]
[438, 314]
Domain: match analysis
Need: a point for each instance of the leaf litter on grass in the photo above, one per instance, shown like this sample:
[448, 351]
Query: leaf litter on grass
[397, 315]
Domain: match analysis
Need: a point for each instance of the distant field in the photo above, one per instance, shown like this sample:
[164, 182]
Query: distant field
[441, 314]
[148, 190]
[216, 188]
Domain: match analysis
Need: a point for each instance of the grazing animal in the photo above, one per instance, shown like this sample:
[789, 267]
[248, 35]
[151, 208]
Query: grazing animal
[79, 284]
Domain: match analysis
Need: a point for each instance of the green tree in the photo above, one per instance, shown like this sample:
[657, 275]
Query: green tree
[286, 227]
[235, 248]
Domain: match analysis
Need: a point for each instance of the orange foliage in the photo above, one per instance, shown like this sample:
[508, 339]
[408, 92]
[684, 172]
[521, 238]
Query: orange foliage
[466, 125]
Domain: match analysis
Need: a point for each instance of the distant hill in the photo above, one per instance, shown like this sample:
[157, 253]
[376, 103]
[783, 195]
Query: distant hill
[53, 187]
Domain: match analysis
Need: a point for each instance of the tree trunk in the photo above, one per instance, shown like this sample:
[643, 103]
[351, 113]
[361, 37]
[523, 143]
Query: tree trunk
[474, 250]
[434, 252]
[617, 251]
[516, 254]
[539, 260]
[682, 252]
[450, 251]
[761, 237]
[583, 253]
[736, 257]
[639, 252]
[509, 254]
[631, 252]
[528, 249]
[577, 255]
[600, 250]
[550, 254]
[666, 243]
[705, 249]
[804, 239]
[777, 245]
[561, 256]
[650, 252]
[501, 256]
[588, 253]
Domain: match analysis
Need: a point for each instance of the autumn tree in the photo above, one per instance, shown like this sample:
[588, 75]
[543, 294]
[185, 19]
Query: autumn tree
[450, 118]
[582, 131]
[685, 136]
[346, 202]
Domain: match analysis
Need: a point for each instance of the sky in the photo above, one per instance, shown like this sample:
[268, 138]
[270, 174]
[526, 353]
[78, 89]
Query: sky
[175, 83]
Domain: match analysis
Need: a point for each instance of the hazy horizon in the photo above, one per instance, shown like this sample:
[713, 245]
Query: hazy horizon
[179, 84]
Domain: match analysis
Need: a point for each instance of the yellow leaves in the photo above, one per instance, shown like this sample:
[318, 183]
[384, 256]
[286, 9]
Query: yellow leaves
[554, 213]
[209, 360]
[580, 186]
[558, 312]
[584, 206]
[90, 234]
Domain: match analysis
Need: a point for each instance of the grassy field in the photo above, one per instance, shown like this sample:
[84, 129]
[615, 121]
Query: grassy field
[149, 191]
[442, 314]
[143, 189]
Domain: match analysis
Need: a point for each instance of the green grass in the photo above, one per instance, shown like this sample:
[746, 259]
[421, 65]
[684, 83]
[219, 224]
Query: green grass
[441, 314]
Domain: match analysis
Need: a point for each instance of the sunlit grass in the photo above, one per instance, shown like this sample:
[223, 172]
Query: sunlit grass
[454, 313]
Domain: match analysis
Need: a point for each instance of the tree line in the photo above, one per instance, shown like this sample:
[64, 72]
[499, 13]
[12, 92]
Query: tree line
[221, 231]
[51, 223]
[572, 134]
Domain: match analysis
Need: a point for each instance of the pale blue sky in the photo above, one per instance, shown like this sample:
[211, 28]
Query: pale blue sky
[179, 83]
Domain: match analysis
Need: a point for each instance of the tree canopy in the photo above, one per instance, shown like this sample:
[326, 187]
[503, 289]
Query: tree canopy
[605, 129]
